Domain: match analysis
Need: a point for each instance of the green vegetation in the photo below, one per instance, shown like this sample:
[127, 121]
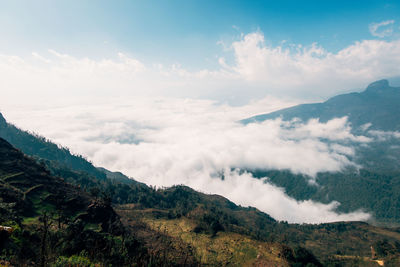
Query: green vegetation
[75, 260]
[63, 211]
[53, 221]
[372, 191]
[34, 145]
[58, 223]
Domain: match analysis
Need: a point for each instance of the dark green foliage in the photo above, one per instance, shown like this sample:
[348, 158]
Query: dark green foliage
[51, 218]
[214, 213]
[35, 145]
[302, 257]
[374, 192]
[383, 248]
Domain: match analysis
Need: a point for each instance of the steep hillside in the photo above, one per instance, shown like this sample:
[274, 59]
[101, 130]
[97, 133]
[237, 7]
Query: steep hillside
[51, 219]
[209, 223]
[172, 226]
[34, 145]
[55, 223]
[59, 160]
[30, 185]
[378, 105]
[375, 192]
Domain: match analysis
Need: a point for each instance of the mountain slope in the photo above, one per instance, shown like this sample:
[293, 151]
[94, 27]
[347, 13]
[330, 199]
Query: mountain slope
[58, 223]
[35, 145]
[201, 229]
[30, 184]
[51, 219]
[377, 193]
[378, 105]
[375, 187]
[59, 160]
[209, 224]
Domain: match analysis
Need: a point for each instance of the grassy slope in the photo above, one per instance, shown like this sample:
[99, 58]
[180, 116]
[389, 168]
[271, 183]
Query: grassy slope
[225, 248]
[334, 243]
[339, 244]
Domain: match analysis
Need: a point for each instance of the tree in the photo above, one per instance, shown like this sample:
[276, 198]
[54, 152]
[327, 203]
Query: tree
[45, 228]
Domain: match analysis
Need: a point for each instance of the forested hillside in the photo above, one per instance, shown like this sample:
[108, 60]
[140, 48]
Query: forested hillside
[35, 145]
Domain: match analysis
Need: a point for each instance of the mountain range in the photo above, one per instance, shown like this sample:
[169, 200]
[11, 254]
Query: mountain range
[377, 105]
[64, 211]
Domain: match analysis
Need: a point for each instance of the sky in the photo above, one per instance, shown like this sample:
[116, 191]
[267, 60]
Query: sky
[230, 51]
[155, 89]
[184, 32]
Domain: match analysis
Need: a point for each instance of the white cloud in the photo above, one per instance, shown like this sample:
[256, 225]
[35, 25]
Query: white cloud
[40, 58]
[287, 70]
[336, 129]
[376, 28]
[167, 141]
[384, 135]
[313, 70]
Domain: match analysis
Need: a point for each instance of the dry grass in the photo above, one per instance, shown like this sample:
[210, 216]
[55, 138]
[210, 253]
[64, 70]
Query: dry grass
[224, 249]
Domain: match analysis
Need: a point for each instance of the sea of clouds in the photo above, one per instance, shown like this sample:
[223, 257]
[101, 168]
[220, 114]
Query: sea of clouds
[166, 124]
[170, 141]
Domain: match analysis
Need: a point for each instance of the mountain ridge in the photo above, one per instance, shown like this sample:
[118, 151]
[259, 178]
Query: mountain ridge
[377, 104]
[194, 222]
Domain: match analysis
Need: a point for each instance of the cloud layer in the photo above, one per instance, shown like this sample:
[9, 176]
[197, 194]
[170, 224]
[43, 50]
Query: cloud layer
[314, 70]
[168, 141]
[252, 70]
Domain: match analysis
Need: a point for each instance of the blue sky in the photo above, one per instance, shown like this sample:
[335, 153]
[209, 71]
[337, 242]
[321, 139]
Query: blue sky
[229, 51]
[183, 31]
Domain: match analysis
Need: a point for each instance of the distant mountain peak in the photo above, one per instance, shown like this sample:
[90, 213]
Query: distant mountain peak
[378, 105]
[378, 86]
[2, 120]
